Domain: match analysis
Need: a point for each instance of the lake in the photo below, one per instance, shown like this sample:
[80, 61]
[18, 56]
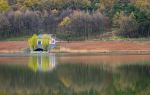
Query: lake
[74, 74]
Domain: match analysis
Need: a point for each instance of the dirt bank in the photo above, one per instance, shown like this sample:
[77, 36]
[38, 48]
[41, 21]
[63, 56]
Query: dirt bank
[12, 46]
[124, 47]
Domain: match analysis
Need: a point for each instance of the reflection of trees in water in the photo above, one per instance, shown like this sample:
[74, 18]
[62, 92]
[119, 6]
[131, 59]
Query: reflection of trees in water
[76, 79]
[42, 62]
[23, 79]
[84, 77]
[133, 79]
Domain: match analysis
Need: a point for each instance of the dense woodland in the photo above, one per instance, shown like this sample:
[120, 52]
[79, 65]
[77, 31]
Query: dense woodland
[75, 19]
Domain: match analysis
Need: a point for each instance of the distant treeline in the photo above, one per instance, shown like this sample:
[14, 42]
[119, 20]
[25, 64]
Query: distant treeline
[75, 19]
[68, 23]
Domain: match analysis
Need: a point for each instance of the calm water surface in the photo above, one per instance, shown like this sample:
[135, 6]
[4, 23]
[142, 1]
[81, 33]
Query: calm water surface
[68, 74]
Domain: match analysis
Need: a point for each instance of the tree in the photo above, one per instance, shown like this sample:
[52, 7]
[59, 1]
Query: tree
[33, 42]
[83, 24]
[127, 25]
[64, 26]
[66, 21]
[50, 22]
[31, 22]
[29, 4]
[4, 26]
[45, 41]
[142, 4]
[85, 3]
[17, 25]
[116, 18]
[3, 5]
[80, 23]
[106, 5]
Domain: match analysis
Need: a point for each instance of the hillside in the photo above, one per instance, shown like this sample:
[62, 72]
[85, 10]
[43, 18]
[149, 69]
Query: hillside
[75, 19]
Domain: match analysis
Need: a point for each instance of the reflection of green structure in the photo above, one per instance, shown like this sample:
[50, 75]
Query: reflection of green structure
[42, 62]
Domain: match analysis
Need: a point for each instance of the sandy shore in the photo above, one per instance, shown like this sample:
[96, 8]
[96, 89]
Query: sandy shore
[102, 47]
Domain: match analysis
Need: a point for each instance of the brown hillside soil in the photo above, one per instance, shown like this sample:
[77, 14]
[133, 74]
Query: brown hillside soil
[77, 46]
[108, 45]
[12, 46]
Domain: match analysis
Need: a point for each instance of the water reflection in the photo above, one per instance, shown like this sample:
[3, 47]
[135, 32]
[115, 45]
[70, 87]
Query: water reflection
[132, 78]
[42, 62]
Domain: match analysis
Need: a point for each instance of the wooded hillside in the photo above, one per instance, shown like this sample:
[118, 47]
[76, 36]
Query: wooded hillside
[75, 19]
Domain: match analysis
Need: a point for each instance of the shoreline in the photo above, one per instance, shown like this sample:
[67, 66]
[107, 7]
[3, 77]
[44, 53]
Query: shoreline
[83, 47]
[97, 52]
[106, 52]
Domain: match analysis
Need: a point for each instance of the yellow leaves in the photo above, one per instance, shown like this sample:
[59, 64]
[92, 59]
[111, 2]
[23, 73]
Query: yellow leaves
[86, 3]
[3, 5]
[142, 4]
[45, 41]
[66, 21]
[30, 3]
[24, 4]
[33, 42]
[106, 4]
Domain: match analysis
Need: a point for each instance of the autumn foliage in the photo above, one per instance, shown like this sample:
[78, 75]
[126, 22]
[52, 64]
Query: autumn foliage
[75, 19]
